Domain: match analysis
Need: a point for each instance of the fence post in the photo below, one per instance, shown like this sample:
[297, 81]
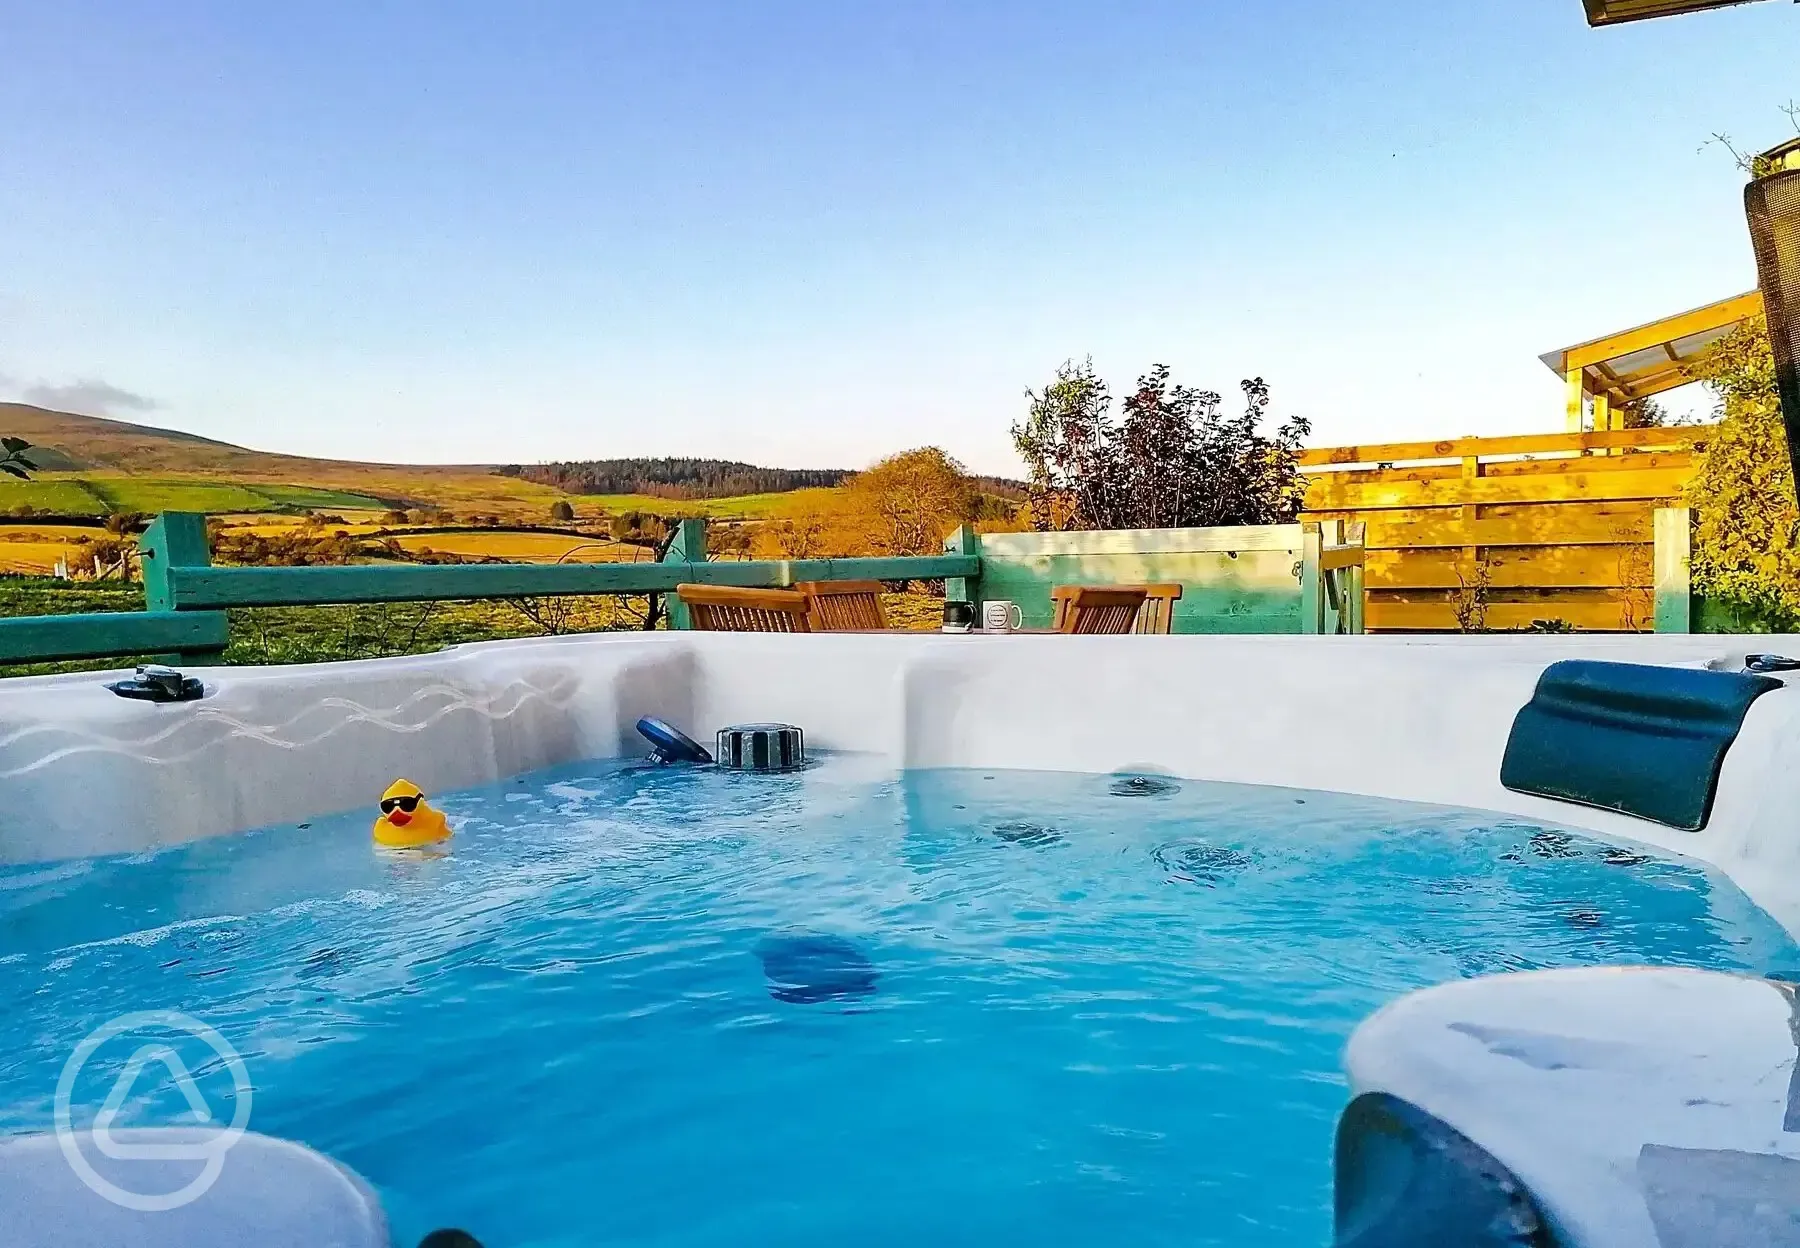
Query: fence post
[1357, 534]
[1673, 611]
[689, 546]
[1312, 596]
[175, 539]
[965, 541]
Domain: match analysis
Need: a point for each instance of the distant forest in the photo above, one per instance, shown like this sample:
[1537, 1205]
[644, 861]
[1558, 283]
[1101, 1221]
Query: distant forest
[699, 478]
[673, 478]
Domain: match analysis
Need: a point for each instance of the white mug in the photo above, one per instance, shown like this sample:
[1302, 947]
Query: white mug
[1000, 616]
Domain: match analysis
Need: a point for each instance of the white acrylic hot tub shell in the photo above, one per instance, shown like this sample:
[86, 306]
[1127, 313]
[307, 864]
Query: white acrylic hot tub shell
[86, 773]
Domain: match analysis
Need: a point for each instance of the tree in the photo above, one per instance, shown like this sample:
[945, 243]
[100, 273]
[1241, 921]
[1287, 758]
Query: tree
[561, 511]
[911, 501]
[798, 536]
[1647, 414]
[14, 463]
[728, 541]
[1745, 554]
[1171, 459]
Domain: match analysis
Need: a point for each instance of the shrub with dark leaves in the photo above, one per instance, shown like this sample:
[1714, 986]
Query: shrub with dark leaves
[1172, 457]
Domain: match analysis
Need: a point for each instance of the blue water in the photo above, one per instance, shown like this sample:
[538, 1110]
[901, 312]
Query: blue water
[1007, 1008]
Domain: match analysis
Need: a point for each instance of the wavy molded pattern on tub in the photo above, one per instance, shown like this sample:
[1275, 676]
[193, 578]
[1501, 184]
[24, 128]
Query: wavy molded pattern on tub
[274, 745]
[1646, 741]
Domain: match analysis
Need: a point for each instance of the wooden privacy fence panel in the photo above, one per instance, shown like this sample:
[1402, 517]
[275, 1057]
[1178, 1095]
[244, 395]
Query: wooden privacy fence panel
[1510, 532]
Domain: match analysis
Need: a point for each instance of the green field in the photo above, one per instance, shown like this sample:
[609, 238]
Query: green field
[96, 494]
[77, 494]
[57, 495]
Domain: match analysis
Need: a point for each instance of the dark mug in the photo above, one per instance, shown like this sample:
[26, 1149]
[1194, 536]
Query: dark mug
[959, 617]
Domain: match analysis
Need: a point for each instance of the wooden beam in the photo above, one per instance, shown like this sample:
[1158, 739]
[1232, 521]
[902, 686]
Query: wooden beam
[689, 547]
[1312, 591]
[1613, 12]
[1548, 528]
[1719, 315]
[1678, 437]
[1327, 495]
[1625, 565]
[277, 587]
[48, 638]
[1575, 408]
[1617, 616]
[174, 539]
[965, 541]
[1674, 593]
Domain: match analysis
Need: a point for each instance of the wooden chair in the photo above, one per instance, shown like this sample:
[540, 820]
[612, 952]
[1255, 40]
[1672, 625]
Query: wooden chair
[1155, 616]
[843, 606]
[1091, 609]
[722, 609]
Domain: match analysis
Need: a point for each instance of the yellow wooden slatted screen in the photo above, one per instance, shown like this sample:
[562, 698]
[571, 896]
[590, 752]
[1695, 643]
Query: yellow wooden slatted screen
[1505, 533]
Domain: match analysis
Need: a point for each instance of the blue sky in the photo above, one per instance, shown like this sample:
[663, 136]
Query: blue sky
[813, 233]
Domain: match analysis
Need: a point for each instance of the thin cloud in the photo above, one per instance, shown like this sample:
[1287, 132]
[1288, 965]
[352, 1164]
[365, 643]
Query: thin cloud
[91, 398]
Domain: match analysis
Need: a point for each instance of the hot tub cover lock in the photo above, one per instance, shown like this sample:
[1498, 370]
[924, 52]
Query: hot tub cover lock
[1643, 740]
[156, 683]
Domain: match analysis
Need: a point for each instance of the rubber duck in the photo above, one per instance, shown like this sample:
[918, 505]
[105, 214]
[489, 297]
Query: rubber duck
[406, 821]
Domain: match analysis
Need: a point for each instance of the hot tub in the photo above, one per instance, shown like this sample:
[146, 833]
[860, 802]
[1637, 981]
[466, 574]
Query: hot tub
[1056, 938]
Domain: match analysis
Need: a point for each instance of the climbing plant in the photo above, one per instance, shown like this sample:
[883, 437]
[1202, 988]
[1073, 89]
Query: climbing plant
[1746, 551]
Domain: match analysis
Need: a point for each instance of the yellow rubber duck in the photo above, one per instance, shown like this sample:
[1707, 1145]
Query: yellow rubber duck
[406, 822]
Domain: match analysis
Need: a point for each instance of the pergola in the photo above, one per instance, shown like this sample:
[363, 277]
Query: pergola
[1611, 12]
[1609, 372]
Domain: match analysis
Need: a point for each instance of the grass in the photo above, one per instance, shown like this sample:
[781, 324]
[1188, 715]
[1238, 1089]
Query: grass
[63, 496]
[90, 493]
[313, 497]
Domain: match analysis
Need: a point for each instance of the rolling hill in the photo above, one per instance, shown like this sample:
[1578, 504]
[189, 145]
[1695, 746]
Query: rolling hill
[92, 465]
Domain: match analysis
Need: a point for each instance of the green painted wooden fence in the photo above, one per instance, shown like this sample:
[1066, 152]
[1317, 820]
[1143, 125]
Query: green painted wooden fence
[1280, 579]
[1286, 578]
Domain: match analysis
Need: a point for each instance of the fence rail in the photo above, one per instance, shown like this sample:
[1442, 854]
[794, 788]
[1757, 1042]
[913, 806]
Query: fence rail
[191, 588]
[100, 635]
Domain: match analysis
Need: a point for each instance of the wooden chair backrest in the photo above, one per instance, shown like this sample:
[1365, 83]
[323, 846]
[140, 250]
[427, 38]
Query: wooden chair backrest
[1089, 609]
[723, 609]
[1155, 616]
[843, 606]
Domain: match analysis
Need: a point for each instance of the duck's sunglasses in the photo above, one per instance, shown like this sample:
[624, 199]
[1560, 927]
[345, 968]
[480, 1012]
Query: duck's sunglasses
[408, 803]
